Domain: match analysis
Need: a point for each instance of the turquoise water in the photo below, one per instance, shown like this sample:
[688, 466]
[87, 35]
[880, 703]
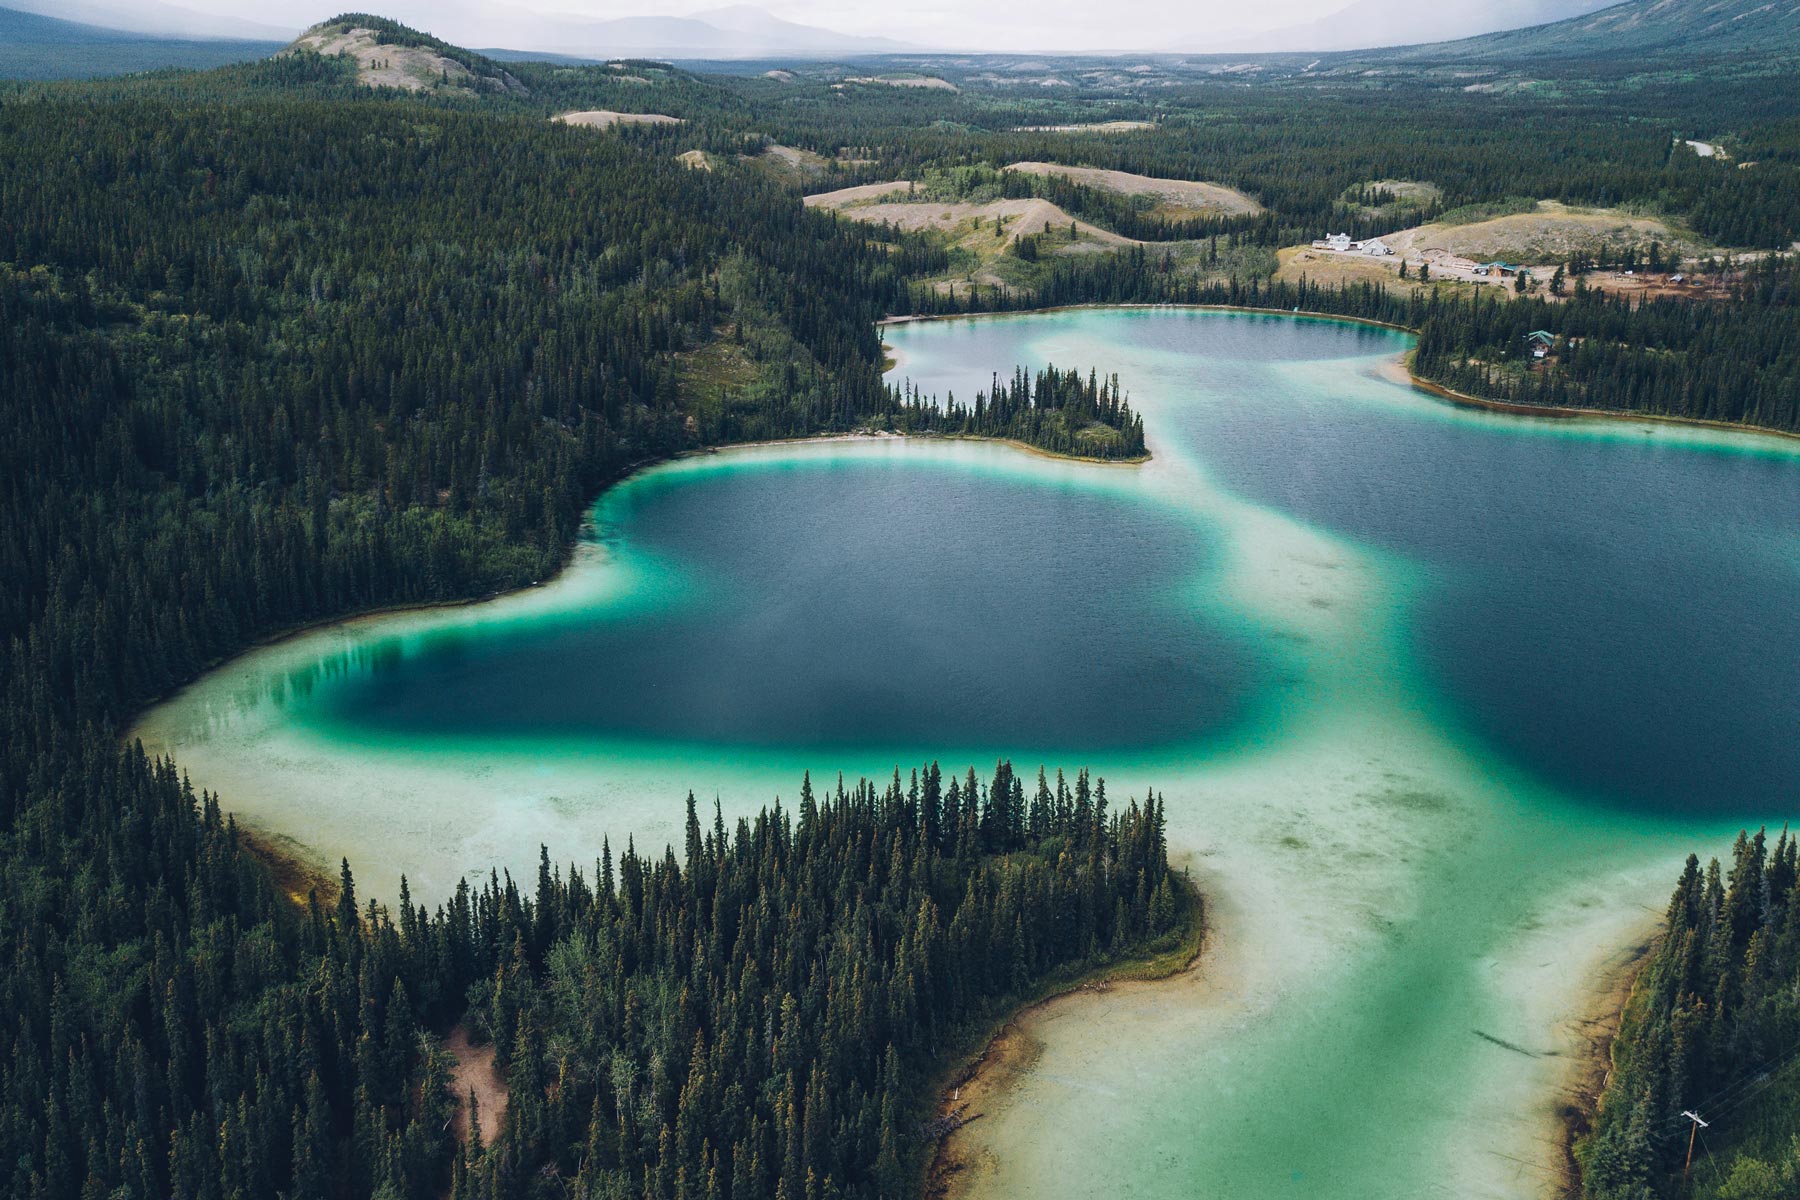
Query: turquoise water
[952, 609]
[1438, 700]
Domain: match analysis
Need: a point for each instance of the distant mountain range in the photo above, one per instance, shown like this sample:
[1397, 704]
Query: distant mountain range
[740, 31]
[737, 31]
[1369, 24]
[156, 18]
[33, 46]
[100, 37]
[1641, 27]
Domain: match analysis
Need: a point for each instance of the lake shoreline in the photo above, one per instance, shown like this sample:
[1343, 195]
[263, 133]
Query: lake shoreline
[882, 435]
[1403, 364]
[382, 612]
[1400, 371]
[1608, 992]
[1097, 306]
[1009, 1050]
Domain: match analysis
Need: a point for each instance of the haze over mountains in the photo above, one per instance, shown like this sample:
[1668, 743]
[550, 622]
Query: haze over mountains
[1644, 27]
[1390, 29]
[153, 17]
[1365, 24]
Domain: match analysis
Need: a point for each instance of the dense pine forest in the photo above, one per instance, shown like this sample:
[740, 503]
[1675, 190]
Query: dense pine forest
[1713, 1026]
[765, 1022]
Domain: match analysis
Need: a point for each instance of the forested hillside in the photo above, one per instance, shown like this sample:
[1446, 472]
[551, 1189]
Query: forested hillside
[765, 1023]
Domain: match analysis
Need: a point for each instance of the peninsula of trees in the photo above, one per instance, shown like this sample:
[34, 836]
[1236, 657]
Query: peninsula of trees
[1058, 412]
[1712, 1026]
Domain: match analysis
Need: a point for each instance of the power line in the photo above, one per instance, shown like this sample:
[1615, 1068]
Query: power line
[1693, 1132]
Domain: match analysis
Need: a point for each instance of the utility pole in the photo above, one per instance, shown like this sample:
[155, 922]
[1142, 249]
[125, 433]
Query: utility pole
[1693, 1129]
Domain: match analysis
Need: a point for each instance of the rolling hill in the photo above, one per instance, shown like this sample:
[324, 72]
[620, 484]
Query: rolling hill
[388, 54]
[735, 32]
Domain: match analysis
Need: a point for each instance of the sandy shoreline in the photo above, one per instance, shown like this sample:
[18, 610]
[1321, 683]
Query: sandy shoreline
[1590, 1068]
[1136, 305]
[1012, 1049]
[1400, 371]
[927, 436]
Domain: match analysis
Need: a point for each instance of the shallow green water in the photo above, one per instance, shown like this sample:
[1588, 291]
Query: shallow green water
[1437, 701]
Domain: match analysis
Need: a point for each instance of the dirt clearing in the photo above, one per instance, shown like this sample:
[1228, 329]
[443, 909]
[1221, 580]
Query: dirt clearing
[1015, 218]
[1551, 234]
[1186, 194]
[600, 118]
[474, 1072]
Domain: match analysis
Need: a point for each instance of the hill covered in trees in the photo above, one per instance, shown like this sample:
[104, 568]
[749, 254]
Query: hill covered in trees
[388, 54]
[766, 1022]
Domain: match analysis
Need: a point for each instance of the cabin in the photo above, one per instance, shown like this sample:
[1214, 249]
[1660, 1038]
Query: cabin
[1540, 341]
[1497, 269]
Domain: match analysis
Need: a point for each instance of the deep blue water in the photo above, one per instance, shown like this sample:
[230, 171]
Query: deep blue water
[1618, 614]
[853, 601]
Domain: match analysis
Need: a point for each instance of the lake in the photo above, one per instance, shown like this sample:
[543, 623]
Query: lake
[1438, 700]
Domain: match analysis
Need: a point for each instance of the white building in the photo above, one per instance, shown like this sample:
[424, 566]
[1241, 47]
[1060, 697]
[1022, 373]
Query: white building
[1377, 247]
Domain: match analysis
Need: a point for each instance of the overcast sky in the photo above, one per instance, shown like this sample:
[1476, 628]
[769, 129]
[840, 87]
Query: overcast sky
[997, 25]
[1074, 25]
